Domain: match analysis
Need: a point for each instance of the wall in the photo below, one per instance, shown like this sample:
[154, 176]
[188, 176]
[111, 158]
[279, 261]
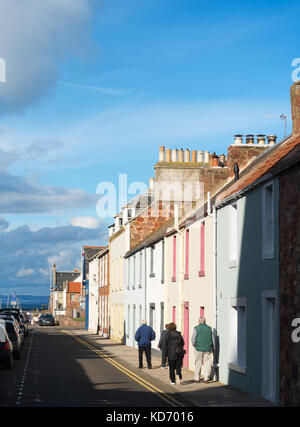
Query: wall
[289, 223]
[249, 279]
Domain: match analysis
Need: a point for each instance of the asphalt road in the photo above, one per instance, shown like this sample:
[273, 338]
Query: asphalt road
[58, 370]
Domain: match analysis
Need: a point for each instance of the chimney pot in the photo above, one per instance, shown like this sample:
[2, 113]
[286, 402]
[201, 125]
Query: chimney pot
[272, 139]
[200, 157]
[206, 156]
[261, 139]
[161, 153]
[238, 139]
[168, 155]
[187, 156]
[174, 155]
[180, 156]
[249, 139]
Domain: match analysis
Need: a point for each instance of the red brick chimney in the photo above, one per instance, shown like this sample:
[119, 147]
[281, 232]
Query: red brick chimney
[295, 106]
[242, 153]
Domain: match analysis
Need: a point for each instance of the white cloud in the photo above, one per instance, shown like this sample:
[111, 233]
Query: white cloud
[35, 36]
[25, 272]
[85, 222]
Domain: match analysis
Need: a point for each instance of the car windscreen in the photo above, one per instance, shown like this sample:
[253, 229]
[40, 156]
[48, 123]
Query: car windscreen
[10, 328]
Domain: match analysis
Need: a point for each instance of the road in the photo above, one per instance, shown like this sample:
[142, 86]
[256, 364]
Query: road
[61, 370]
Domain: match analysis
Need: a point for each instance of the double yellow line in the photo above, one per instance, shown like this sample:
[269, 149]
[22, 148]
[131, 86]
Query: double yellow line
[160, 393]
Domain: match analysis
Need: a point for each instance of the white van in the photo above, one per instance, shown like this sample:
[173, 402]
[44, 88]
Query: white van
[6, 348]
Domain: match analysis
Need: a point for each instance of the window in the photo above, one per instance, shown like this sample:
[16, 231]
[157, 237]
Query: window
[128, 273]
[202, 250]
[174, 259]
[152, 261]
[72, 297]
[237, 334]
[233, 235]
[268, 222]
[187, 253]
[134, 271]
[152, 315]
[140, 269]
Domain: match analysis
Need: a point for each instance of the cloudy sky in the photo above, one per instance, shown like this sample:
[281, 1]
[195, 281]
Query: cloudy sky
[93, 87]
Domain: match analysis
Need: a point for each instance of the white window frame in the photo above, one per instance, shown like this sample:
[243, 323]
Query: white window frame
[237, 334]
[268, 232]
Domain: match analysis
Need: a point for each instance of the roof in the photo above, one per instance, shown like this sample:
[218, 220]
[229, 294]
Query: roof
[89, 252]
[65, 276]
[74, 287]
[152, 238]
[260, 167]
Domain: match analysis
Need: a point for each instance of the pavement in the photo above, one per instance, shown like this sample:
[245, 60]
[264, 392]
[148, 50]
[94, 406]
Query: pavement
[213, 394]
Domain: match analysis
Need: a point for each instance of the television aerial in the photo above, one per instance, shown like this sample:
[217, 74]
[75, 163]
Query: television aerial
[282, 117]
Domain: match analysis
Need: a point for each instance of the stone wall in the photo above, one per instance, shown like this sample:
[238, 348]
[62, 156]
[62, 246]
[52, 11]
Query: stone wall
[289, 221]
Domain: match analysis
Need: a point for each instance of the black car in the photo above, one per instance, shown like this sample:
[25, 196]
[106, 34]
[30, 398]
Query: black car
[46, 320]
[17, 315]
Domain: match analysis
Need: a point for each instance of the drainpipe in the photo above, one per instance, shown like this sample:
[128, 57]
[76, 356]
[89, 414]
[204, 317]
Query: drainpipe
[145, 317]
[181, 267]
[214, 215]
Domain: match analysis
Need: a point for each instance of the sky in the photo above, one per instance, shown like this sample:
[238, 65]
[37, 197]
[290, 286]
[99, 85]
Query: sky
[94, 87]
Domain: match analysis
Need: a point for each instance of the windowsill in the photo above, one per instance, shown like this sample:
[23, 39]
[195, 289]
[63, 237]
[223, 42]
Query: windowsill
[152, 275]
[201, 273]
[237, 368]
[173, 279]
[233, 264]
[268, 255]
[186, 277]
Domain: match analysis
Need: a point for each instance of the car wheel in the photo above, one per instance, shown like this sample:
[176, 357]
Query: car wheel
[10, 362]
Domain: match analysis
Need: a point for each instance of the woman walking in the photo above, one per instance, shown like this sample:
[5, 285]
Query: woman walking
[175, 352]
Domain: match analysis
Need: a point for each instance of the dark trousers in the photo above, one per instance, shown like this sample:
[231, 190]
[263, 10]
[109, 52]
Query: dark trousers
[147, 351]
[163, 358]
[175, 365]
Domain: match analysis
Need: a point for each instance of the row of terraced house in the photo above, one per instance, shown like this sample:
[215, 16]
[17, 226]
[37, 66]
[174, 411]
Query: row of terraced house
[215, 236]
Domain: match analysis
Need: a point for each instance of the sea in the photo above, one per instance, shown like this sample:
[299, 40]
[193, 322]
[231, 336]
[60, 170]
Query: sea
[26, 302]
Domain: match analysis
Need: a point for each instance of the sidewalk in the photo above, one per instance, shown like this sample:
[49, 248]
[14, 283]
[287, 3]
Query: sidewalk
[200, 395]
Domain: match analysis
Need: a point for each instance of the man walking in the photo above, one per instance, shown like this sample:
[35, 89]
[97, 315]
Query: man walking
[162, 347]
[144, 335]
[202, 340]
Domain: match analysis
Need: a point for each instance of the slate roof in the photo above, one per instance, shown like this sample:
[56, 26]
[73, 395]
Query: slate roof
[89, 252]
[262, 165]
[65, 276]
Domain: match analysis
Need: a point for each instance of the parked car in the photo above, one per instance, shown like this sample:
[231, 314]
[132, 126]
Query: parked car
[18, 315]
[16, 324]
[6, 348]
[47, 320]
[14, 336]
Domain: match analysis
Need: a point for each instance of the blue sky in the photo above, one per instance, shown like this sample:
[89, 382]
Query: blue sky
[95, 87]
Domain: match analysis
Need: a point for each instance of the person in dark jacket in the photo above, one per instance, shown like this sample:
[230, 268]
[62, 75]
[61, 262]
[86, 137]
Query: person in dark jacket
[144, 335]
[162, 347]
[175, 352]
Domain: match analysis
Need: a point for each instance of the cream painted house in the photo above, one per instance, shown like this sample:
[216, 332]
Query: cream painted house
[189, 276]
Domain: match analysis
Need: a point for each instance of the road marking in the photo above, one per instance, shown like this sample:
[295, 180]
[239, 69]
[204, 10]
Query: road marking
[168, 399]
[20, 393]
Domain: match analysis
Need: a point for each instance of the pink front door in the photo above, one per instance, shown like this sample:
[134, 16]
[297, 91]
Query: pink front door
[186, 324]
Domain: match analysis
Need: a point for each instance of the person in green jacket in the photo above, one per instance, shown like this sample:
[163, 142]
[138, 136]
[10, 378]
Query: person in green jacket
[203, 343]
